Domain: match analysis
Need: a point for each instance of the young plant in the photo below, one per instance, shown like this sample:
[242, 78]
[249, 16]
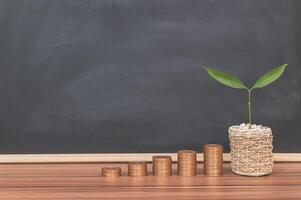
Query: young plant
[236, 83]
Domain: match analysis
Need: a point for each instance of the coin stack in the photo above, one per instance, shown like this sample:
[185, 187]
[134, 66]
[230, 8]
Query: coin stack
[162, 166]
[137, 169]
[187, 165]
[111, 171]
[213, 159]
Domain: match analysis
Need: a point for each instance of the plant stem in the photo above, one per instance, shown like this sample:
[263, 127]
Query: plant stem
[249, 106]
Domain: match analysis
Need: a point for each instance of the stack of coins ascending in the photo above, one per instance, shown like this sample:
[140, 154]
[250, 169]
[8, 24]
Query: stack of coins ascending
[213, 159]
[137, 169]
[187, 165]
[111, 171]
[162, 166]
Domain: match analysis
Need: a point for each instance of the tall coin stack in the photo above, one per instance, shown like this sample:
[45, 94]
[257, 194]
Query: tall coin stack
[137, 169]
[162, 166]
[111, 171]
[213, 159]
[187, 163]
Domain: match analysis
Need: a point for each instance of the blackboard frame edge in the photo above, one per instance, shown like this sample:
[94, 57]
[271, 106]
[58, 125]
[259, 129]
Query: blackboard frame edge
[115, 157]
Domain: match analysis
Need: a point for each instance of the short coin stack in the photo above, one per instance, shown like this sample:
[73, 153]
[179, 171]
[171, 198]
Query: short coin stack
[162, 166]
[137, 169]
[111, 171]
[213, 159]
[187, 165]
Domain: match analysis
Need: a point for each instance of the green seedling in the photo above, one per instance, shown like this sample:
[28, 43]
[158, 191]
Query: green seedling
[234, 82]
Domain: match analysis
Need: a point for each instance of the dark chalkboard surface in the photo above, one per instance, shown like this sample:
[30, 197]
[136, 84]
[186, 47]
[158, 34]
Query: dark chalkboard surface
[95, 76]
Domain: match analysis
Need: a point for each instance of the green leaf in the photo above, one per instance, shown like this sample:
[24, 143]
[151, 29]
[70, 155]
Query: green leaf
[226, 79]
[269, 77]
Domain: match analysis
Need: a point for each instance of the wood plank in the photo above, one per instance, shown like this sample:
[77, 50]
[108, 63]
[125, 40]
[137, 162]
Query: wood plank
[208, 193]
[83, 181]
[94, 169]
[90, 158]
[148, 182]
[284, 174]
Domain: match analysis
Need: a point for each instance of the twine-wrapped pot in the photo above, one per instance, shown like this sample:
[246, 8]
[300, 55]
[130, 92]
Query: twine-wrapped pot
[251, 150]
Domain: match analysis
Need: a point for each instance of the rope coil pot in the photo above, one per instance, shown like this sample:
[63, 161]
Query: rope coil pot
[251, 150]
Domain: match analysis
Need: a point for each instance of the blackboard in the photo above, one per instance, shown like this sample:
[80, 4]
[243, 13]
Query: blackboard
[126, 76]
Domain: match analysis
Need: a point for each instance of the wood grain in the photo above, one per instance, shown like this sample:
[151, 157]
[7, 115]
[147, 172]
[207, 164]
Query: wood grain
[119, 157]
[83, 181]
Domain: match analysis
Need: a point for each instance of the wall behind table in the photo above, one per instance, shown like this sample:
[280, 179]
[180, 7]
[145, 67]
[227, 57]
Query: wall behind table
[125, 76]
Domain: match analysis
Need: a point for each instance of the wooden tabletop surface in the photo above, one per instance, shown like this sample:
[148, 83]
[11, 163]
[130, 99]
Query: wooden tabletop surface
[83, 181]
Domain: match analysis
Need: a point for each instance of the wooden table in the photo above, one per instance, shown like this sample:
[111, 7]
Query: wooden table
[83, 181]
